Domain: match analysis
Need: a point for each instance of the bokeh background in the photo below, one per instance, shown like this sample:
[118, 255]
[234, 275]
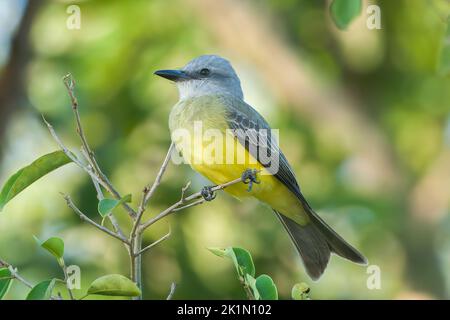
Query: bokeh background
[364, 118]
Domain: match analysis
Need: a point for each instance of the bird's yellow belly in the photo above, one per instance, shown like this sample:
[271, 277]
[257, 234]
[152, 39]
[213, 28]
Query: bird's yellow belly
[270, 190]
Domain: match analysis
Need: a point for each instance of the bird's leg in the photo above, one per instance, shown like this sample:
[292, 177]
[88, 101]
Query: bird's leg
[207, 193]
[250, 177]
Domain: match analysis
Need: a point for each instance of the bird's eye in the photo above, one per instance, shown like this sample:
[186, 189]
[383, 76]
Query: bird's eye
[205, 72]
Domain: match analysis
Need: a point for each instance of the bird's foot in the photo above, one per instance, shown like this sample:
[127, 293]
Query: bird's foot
[250, 177]
[207, 193]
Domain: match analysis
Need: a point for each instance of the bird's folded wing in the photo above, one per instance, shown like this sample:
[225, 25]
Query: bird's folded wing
[254, 133]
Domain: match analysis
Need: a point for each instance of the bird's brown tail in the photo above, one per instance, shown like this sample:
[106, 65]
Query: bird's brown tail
[316, 241]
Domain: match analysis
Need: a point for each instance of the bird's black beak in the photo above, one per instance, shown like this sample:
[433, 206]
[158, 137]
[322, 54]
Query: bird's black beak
[173, 75]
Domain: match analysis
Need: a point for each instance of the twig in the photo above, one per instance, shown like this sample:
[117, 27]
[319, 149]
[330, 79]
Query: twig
[63, 147]
[166, 236]
[173, 287]
[69, 82]
[157, 181]
[192, 204]
[178, 205]
[71, 155]
[15, 274]
[83, 217]
[149, 191]
[219, 187]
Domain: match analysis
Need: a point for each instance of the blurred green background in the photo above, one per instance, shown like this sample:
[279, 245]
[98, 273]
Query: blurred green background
[364, 118]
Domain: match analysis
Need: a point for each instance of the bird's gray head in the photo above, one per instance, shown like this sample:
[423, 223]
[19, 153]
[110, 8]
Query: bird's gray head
[204, 75]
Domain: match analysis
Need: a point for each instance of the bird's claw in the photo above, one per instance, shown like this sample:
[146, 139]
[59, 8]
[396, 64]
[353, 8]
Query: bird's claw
[207, 193]
[250, 177]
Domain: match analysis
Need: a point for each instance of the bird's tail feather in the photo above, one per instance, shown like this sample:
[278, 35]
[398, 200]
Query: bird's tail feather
[337, 244]
[311, 245]
[315, 241]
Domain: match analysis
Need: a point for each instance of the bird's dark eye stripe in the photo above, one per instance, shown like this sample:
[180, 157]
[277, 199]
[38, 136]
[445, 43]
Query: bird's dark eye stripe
[205, 72]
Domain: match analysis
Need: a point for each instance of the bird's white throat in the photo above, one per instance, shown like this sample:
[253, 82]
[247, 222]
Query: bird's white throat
[196, 88]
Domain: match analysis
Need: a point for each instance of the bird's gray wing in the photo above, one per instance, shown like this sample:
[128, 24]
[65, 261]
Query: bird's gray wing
[246, 124]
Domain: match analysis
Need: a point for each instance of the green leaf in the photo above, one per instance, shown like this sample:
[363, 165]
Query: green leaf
[5, 281]
[105, 206]
[344, 11]
[300, 291]
[29, 174]
[42, 291]
[444, 61]
[54, 245]
[218, 251]
[242, 259]
[266, 288]
[114, 285]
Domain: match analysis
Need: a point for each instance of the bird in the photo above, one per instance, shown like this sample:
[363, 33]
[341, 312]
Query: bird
[211, 98]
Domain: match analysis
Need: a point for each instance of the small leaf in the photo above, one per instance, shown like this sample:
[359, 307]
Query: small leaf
[5, 281]
[266, 288]
[105, 206]
[114, 285]
[29, 174]
[42, 291]
[300, 291]
[217, 251]
[242, 259]
[54, 245]
[444, 61]
[344, 11]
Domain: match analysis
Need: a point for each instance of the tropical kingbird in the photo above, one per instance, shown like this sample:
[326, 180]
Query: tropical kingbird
[211, 96]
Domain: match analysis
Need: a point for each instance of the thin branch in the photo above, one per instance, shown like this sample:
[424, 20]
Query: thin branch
[161, 215]
[192, 204]
[15, 274]
[159, 176]
[155, 243]
[173, 287]
[149, 191]
[72, 155]
[63, 147]
[184, 200]
[83, 217]
[97, 187]
[69, 82]
[219, 187]
[183, 191]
